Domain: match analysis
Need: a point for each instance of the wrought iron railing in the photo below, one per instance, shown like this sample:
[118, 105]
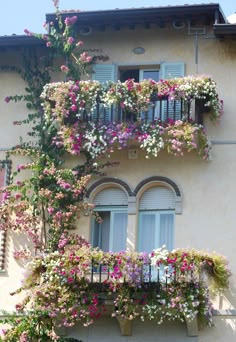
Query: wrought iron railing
[162, 109]
[144, 276]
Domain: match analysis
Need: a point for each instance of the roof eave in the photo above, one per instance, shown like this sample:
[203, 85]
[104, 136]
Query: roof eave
[20, 40]
[91, 16]
[225, 30]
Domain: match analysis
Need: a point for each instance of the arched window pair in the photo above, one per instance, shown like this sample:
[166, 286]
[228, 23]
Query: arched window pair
[155, 218]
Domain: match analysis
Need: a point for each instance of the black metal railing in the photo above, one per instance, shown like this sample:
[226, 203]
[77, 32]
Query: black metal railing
[162, 109]
[144, 277]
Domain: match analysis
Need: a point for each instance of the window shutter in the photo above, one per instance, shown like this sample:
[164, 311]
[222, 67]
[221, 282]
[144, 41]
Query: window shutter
[168, 71]
[157, 198]
[103, 73]
[110, 197]
[172, 70]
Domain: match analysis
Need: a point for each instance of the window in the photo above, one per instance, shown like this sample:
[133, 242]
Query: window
[156, 219]
[138, 73]
[159, 110]
[110, 232]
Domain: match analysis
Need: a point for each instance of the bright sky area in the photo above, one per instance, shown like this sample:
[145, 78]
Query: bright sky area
[16, 15]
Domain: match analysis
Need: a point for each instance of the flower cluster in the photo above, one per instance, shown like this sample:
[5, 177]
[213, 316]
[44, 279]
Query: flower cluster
[135, 97]
[60, 37]
[203, 88]
[65, 284]
[59, 200]
[102, 139]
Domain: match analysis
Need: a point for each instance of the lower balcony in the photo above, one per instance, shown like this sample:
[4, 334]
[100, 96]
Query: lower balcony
[79, 284]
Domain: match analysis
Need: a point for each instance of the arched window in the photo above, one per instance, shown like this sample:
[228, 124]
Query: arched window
[156, 219]
[110, 232]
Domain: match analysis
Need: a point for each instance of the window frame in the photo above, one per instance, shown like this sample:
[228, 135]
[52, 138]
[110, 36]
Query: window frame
[157, 228]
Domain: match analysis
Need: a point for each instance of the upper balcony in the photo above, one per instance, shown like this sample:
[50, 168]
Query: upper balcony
[170, 112]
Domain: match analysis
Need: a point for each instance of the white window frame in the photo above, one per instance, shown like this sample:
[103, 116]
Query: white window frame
[157, 244]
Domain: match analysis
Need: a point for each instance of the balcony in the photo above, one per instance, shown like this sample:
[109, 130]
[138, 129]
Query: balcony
[96, 118]
[77, 283]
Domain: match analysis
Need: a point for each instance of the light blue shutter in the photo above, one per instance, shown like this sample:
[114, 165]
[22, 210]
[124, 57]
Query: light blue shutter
[168, 71]
[171, 70]
[103, 73]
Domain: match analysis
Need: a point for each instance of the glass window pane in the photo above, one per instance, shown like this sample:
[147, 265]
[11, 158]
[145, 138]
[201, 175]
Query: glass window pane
[153, 74]
[146, 232]
[119, 232]
[101, 232]
[166, 230]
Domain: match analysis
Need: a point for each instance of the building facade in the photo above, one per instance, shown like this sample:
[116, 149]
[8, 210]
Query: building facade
[180, 202]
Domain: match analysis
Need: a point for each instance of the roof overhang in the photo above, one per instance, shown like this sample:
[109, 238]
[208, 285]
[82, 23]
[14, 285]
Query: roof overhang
[205, 13]
[20, 41]
[225, 30]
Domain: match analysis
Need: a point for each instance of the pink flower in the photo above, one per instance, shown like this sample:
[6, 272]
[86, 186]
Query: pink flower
[64, 68]
[69, 21]
[5, 196]
[74, 108]
[89, 59]
[17, 196]
[50, 210]
[49, 44]
[80, 43]
[21, 167]
[70, 40]
[70, 280]
[7, 99]
[28, 32]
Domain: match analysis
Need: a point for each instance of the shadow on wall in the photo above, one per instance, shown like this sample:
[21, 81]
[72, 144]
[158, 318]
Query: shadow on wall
[21, 251]
[107, 329]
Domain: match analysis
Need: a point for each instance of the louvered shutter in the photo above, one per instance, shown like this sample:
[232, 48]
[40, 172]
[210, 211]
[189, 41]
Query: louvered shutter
[110, 197]
[168, 71]
[103, 73]
[157, 198]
